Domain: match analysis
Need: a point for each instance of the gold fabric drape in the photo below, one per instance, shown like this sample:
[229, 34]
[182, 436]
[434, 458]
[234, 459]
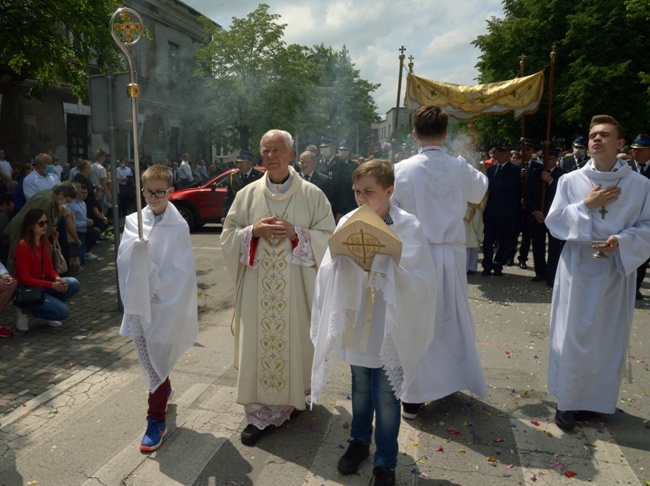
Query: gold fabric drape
[519, 95]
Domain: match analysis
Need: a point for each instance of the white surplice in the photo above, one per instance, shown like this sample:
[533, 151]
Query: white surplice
[436, 188]
[274, 291]
[593, 299]
[399, 331]
[157, 284]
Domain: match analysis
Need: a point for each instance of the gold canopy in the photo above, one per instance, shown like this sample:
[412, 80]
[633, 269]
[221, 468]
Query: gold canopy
[520, 95]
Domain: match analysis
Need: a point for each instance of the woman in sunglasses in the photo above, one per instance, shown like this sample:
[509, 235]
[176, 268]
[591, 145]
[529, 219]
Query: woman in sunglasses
[34, 268]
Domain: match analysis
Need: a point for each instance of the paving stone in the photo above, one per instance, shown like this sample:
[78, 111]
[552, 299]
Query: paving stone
[44, 357]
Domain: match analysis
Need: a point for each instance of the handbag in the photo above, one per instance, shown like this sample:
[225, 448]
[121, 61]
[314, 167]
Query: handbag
[27, 296]
[58, 259]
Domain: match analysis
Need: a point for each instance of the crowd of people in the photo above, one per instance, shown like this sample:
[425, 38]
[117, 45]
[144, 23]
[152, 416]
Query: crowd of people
[403, 323]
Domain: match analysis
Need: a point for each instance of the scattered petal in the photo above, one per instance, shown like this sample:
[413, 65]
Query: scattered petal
[440, 449]
[346, 425]
[425, 475]
[570, 474]
[498, 439]
[535, 423]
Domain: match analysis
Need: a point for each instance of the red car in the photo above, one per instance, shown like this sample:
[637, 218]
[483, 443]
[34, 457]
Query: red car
[201, 203]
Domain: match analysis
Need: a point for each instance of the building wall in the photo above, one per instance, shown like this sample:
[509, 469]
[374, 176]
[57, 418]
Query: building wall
[28, 127]
[385, 127]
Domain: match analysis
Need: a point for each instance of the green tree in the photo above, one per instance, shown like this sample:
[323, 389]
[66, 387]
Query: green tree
[53, 41]
[255, 81]
[601, 47]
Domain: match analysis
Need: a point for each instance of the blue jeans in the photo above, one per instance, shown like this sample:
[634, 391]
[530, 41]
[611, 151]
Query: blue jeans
[372, 394]
[53, 308]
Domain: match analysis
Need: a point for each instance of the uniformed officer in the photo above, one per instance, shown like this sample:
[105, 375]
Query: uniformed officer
[239, 180]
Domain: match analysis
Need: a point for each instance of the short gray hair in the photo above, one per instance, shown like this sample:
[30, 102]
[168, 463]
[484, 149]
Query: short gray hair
[288, 139]
[41, 158]
[310, 154]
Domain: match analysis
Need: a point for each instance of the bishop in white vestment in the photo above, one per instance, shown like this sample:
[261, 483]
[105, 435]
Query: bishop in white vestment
[275, 279]
[593, 298]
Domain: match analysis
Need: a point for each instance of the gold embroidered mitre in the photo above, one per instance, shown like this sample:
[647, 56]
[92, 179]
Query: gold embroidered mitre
[363, 236]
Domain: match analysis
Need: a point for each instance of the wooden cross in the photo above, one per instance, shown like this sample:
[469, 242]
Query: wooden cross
[402, 49]
[603, 212]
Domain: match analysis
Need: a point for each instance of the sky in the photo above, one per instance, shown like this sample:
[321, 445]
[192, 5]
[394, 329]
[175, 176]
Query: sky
[437, 34]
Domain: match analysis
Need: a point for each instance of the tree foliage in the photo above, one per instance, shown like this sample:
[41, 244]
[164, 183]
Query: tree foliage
[255, 81]
[53, 41]
[601, 50]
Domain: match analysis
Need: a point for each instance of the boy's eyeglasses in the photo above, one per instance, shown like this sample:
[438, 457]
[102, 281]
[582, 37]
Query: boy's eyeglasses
[157, 194]
[41, 224]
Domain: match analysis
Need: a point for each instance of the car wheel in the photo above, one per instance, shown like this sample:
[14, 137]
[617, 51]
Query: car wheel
[188, 215]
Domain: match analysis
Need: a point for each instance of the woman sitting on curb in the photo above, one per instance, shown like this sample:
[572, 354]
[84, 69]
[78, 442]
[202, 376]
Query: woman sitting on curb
[33, 261]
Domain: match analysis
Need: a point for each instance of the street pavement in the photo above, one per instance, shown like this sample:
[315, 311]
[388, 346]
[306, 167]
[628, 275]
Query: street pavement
[73, 401]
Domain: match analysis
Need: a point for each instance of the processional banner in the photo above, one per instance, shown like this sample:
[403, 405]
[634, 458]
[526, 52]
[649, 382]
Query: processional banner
[519, 95]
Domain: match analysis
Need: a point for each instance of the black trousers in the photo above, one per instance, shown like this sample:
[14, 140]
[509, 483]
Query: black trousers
[522, 226]
[493, 228]
[545, 267]
[640, 274]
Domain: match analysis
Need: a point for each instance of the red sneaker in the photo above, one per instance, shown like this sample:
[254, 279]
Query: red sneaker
[5, 333]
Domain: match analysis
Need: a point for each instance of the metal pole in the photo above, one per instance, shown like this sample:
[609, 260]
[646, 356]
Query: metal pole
[132, 33]
[399, 89]
[522, 62]
[411, 58]
[111, 141]
[547, 142]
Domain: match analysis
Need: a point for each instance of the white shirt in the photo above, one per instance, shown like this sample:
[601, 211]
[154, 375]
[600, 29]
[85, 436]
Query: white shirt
[185, 172]
[5, 168]
[97, 173]
[35, 182]
[58, 170]
[123, 173]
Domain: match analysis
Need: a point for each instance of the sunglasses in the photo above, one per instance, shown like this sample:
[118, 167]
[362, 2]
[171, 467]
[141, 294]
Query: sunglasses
[42, 224]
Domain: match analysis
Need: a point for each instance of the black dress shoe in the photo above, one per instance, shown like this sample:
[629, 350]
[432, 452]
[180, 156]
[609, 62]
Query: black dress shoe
[583, 415]
[549, 283]
[538, 278]
[470, 272]
[295, 413]
[410, 410]
[639, 295]
[523, 265]
[486, 272]
[565, 420]
[510, 263]
[498, 272]
[250, 435]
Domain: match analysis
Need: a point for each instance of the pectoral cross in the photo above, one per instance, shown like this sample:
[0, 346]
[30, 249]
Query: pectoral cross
[603, 212]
